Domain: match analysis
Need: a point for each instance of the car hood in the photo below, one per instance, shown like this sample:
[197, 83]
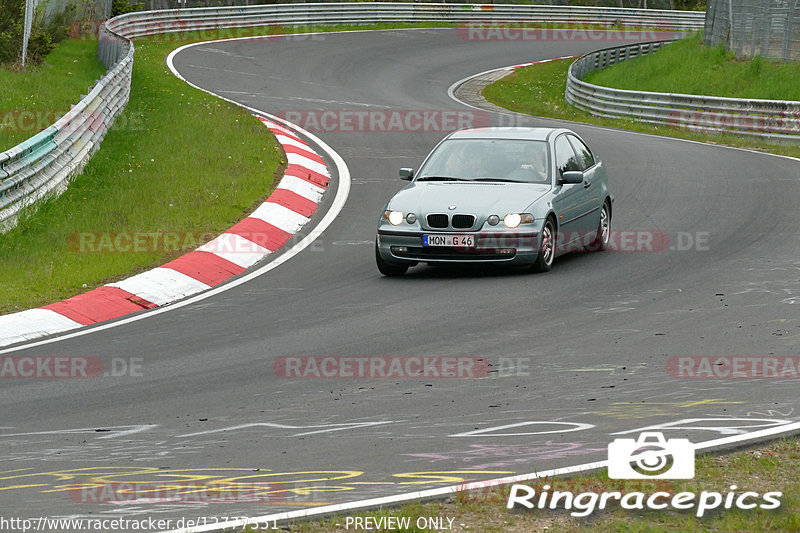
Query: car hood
[479, 198]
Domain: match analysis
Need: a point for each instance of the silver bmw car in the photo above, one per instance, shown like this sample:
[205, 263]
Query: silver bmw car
[500, 195]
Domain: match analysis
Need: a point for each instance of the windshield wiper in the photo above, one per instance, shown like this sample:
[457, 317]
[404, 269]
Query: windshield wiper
[440, 178]
[499, 179]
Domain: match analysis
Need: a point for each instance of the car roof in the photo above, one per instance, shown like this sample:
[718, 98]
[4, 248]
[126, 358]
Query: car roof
[507, 132]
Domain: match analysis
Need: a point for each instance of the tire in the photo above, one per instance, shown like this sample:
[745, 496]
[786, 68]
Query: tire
[603, 237]
[547, 251]
[388, 269]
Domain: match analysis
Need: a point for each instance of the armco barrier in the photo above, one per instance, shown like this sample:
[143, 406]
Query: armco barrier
[770, 119]
[44, 163]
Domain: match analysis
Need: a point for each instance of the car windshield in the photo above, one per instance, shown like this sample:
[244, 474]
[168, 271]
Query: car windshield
[504, 160]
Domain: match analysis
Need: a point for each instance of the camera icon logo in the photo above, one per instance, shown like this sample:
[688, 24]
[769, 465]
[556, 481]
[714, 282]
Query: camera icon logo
[651, 457]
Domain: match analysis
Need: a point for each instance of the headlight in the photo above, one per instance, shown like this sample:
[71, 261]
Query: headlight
[411, 218]
[395, 217]
[512, 220]
[493, 220]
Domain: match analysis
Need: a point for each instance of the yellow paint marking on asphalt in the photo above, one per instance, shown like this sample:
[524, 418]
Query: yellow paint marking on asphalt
[266, 482]
[634, 410]
[431, 477]
[24, 486]
[175, 477]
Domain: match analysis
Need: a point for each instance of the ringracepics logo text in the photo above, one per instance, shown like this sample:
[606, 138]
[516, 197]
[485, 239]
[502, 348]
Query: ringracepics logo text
[648, 457]
[586, 503]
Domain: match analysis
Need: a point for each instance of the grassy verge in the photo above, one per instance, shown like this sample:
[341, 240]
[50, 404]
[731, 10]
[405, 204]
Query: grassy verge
[46, 91]
[178, 162]
[539, 90]
[688, 67]
[766, 468]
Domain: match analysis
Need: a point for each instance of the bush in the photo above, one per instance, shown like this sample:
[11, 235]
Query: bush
[43, 38]
[120, 7]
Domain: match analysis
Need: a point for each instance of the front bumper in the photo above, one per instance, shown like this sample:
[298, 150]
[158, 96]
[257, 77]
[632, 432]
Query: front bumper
[515, 247]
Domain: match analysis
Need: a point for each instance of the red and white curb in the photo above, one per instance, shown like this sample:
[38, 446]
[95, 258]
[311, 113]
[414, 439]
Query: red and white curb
[266, 230]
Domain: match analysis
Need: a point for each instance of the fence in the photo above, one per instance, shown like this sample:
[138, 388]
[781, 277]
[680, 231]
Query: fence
[755, 27]
[43, 164]
[770, 119]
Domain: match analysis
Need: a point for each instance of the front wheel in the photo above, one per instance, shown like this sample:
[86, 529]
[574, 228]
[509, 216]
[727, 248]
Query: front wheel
[388, 269]
[547, 248]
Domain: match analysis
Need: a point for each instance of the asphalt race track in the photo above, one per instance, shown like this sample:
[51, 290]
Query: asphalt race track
[578, 355]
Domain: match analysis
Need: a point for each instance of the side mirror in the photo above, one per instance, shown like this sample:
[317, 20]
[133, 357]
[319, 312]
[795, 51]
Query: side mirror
[407, 174]
[572, 176]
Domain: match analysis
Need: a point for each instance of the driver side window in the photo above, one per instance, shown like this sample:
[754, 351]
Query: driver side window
[585, 157]
[565, 156]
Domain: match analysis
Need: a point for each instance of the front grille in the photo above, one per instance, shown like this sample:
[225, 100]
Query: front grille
[437, 220]
[463, 221]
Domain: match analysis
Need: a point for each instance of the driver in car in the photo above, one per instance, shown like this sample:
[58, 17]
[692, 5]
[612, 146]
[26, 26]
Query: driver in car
[531, 169]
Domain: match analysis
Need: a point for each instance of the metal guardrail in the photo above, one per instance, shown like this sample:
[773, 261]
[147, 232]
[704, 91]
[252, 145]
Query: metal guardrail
[44, 163]
[769, 119]
[151, 22]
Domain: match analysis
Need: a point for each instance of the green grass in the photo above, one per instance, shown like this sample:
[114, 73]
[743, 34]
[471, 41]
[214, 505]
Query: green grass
[177, 160]
[766, 468]
[48, 89]
[539, 90]
[688, 67]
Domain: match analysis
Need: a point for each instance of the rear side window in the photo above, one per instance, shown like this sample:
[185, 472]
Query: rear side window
[565, 156]
[585, 157]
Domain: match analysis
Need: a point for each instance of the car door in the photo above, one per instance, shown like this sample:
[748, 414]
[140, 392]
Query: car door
[569, 200]
[592, 184]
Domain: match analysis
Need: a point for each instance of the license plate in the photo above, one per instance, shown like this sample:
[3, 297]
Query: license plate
[452, 241]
